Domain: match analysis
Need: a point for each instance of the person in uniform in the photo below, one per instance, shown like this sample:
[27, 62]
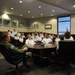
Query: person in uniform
[5, 39]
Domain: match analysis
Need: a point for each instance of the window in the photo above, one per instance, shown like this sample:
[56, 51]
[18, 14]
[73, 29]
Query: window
[63, 24]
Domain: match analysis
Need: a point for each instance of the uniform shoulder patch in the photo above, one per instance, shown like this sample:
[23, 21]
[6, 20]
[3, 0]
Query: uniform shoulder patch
[12, 47]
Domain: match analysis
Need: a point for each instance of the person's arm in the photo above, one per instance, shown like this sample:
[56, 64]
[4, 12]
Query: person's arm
[16, 49]
[50, 41]
[43, 41]
[26, 42]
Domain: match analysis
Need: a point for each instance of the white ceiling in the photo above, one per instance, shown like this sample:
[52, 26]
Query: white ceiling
[61, 7]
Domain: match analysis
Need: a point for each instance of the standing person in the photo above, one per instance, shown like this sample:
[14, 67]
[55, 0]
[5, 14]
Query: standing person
[5, 39]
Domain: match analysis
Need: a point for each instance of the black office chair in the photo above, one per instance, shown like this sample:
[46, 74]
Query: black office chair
[66, 50]
[66, 54]
[11, 57]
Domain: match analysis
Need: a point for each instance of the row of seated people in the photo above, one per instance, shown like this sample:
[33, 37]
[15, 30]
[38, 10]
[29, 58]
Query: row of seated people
[17, 38]
[46, 38]
[40, 39]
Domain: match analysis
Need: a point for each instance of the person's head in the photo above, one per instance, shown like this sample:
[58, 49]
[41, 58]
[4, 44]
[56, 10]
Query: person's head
[8, 30]
[39, 34]
[57, 36]
[14, 29]
[5, 37]
[46, 35]
[29, 36]
[67, 35]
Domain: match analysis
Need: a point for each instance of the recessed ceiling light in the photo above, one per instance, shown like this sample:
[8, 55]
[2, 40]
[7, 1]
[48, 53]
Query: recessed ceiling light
[28, 11]
[41, 14]
[39, 6]
[53, 10]
[74, 6]
[21, 15]
[20, 1]
[12, 8]
[51, 14]
[32, 16]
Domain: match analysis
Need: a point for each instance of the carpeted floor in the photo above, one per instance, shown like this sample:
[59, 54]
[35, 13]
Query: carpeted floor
[35, 70]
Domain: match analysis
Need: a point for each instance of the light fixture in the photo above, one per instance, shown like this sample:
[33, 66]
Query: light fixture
[51, 14]
[32, 16]
[28, 11]
[20, 1]
[74, 6]
[41, 14]
[12, 8]
[21, 15]
[53, 10]
[39, 6]
[5, 16]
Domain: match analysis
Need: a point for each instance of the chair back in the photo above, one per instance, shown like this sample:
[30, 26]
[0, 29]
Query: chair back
[8, 54]
[66, 50]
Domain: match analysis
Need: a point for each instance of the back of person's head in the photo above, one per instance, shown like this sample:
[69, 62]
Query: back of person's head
[67, 35]
[3, 36]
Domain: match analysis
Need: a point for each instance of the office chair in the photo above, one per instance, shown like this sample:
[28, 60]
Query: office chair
[11, 57]
[66, 54]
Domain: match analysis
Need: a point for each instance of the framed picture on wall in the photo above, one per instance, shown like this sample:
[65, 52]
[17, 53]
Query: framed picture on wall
[0, 21]
[33, 26]
[22, 25]
[14, 23]
[48, 26]
[6, 22]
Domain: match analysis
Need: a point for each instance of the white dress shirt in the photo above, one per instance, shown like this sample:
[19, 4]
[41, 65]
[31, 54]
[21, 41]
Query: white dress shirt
[46, 40]
[57, 42]
[29, 42]
[38, 38]
[21, 39]
[71, 38]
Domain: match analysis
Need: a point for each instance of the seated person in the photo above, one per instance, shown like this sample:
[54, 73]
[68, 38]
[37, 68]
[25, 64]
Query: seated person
[5, 39]
[34, 38]
[67, 36]
[46, 39]
[29, 41]
[21, 39]
[38, 38]
[16, 37]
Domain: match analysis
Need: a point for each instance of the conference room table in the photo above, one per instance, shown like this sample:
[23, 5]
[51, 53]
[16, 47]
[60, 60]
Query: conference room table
[42, 53]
